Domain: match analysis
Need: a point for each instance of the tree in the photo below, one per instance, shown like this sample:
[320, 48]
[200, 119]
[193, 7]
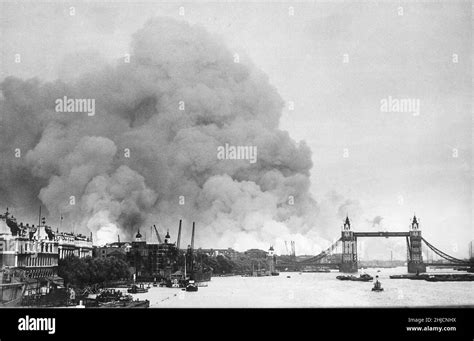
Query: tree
[82, 272]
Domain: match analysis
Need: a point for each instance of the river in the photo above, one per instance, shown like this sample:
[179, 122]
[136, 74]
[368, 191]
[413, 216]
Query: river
[314, 290]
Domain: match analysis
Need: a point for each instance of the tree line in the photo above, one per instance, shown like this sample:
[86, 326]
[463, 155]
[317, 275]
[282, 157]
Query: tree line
[81, 272]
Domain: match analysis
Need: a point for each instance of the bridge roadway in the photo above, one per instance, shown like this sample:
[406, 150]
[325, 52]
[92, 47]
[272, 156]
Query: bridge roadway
[381, 234]
[464, 264]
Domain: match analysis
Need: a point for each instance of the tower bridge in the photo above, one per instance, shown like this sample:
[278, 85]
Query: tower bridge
[349, 259]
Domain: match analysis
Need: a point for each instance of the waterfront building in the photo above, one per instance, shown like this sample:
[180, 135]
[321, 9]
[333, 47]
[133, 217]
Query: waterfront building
[33, 249]
[70, 244]
[36, 250]
[153, 260]
[118, 250]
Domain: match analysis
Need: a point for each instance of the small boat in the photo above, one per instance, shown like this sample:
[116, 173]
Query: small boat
[191, 286]
[377, 285]
[275, 274]
[135, 289]
[288, 276]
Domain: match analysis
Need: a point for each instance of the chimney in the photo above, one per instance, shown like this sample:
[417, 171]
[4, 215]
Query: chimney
[179, 235]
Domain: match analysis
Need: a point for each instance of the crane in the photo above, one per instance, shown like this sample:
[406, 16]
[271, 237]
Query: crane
[179, 235]
[158, 235]
[192, 238]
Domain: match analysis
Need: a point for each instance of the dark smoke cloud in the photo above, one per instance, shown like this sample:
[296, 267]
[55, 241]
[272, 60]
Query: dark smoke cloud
[172, 151]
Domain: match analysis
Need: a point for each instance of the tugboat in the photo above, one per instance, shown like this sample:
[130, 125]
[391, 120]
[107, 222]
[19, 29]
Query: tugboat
[377, 285]
[135, 289]
[191, 286]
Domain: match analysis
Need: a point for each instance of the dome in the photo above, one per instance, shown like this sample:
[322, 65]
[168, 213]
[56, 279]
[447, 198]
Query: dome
[138, 236]
[167, 235]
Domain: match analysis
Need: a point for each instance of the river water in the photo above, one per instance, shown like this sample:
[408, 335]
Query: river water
[314, 290]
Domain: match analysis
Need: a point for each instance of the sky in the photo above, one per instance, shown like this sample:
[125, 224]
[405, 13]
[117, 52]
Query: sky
[332, 63]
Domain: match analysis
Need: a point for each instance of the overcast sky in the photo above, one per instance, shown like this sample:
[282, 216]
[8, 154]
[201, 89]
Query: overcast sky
[397, 163]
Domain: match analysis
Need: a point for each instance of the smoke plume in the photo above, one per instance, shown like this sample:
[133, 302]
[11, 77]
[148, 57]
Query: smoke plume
[148, 155]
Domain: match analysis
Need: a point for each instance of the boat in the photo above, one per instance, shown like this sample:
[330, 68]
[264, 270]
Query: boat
[275, 274]
[125, 301]
[191, 286]
[361, 278]
[450, 278]
[135, 289]
[377, 285]
[109, 295]
[437, 277]
[365, 278]
[288, 276]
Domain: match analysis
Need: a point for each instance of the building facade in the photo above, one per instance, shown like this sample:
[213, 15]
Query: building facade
[37, 249]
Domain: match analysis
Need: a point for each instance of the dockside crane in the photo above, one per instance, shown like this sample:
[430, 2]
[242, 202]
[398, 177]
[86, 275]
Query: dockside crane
[158, 235]
[179, 235]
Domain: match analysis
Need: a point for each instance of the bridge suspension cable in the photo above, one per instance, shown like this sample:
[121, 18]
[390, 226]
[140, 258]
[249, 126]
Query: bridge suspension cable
[323, 254]
[442, 254]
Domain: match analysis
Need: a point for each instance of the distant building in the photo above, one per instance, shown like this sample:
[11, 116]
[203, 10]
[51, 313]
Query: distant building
[117, 249]
[229, 253]
[70, 244]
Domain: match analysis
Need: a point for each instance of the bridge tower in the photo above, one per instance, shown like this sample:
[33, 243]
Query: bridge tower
[415, 257]
[349, 249]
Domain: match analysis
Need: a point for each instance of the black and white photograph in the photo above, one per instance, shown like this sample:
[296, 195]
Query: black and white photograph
[173, 155]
